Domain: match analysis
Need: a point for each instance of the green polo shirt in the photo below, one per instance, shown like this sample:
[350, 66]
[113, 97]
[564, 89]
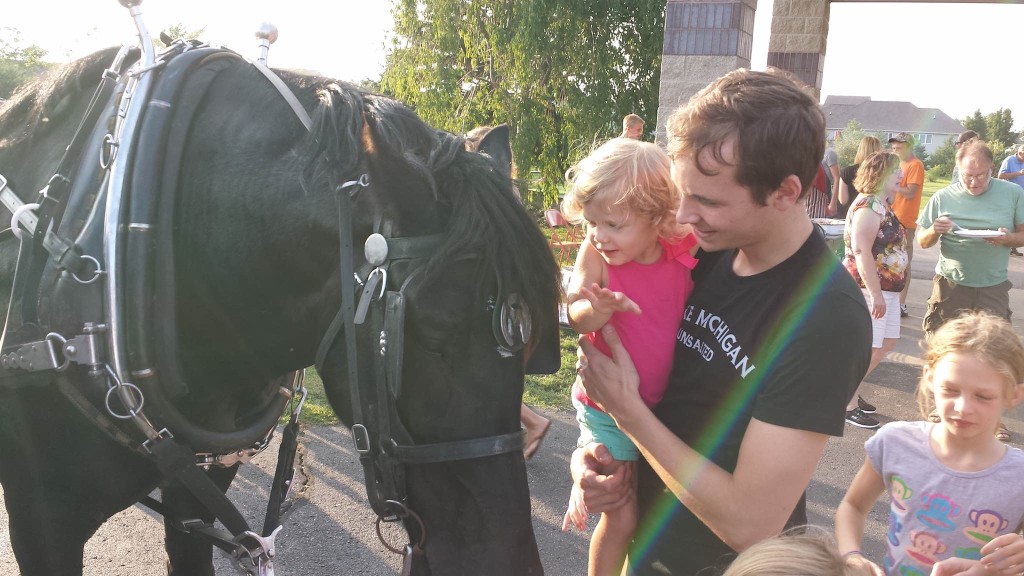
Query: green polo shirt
[971, 261]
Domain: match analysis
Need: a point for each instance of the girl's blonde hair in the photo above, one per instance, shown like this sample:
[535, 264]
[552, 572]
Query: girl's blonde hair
[872, 172]
[980, 333]
[630, 173]
[868, 146]
[802, 551]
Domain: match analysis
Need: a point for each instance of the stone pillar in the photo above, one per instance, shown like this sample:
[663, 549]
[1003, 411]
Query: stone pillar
[797, 43]
[704, 39]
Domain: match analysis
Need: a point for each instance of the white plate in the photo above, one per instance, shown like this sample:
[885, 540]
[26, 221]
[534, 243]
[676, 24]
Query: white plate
[978, 233]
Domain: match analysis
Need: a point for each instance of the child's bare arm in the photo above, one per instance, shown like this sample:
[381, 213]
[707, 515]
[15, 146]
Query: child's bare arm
[852, 512]
[589, 270]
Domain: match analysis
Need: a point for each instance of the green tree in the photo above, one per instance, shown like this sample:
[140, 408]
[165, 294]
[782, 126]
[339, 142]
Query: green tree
[999, 130]
[849, 140]
[847, 143]
[176, 31]
[561, 73]
[943, 158]
[18, 63]
[977, 123]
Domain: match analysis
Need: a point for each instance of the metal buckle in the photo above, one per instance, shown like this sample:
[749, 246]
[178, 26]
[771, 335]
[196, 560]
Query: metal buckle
[361, 438]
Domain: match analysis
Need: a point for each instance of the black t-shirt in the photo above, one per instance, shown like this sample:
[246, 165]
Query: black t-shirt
[787, 346]
[847, 175]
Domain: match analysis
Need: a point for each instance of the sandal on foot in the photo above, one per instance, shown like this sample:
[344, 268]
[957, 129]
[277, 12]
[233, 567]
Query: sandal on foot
[533, 445]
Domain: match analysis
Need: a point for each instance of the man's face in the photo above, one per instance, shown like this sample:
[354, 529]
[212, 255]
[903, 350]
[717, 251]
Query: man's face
[1020, 153]
[975, 173]
[634, 131]
[722, 212]
[901, 149]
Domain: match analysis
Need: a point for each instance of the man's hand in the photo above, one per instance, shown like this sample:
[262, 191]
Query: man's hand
[611, 382]
[600, 492]
[605, 301]
[942, 224]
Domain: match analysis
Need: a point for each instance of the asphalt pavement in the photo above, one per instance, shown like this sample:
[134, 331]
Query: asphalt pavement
[329, 529]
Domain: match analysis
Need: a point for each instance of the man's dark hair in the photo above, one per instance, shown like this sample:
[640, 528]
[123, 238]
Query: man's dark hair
[777, 127]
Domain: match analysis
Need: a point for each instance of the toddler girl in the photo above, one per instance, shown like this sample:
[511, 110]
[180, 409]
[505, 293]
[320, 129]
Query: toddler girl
[634, 273]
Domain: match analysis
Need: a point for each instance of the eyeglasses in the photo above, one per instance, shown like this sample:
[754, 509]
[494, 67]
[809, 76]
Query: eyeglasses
[975, 177]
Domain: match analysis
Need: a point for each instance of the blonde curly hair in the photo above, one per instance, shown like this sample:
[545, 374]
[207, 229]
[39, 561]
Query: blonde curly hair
[629, 173]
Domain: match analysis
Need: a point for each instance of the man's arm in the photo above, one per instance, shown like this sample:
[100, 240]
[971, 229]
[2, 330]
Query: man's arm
[909, 191]
[1004, 171]
[928, 236]
[833, 205]
[774, 467]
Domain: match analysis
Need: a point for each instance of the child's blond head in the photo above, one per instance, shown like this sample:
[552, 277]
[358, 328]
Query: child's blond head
[804, 551]
[983, 334]
[629, 173]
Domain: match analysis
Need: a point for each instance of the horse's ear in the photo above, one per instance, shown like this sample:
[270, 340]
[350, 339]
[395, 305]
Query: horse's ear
[496, 145]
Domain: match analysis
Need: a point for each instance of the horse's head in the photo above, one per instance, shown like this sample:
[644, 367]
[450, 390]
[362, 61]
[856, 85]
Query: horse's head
[462, 371]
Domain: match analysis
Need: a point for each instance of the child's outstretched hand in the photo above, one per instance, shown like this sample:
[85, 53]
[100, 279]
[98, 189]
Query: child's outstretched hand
[605, 301]
[1004, 555]
[576, 513]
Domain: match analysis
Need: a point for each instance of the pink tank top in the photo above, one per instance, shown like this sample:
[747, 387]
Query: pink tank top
[661, 290]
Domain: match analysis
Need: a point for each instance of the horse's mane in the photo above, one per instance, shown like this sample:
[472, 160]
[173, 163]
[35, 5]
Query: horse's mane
[483, 216]
[44, 100]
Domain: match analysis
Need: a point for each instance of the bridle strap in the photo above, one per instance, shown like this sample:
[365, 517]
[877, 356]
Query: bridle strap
[458, 450]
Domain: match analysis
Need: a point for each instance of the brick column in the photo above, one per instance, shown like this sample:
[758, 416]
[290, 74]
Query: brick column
[704, 39]
[797, 43]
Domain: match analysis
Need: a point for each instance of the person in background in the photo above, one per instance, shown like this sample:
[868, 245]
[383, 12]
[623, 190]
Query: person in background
[907, 203]
[876, 257]
[954, 491]
[972, 272]
[761, 373]
[830, 162]
[1012, 169]
[847, 191]
[632, 127]
[962, 139]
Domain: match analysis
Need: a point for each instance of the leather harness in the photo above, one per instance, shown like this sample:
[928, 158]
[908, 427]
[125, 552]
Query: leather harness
[380, 308]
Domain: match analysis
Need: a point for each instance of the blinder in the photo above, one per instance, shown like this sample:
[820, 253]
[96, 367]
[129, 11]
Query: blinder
[511, 324]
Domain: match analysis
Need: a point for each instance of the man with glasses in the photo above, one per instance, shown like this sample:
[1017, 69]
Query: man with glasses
[908, 199]
[973, 262]
[972, 269]
[962, 139]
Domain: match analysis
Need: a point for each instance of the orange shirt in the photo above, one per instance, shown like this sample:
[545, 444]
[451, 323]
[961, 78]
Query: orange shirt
[906, 209]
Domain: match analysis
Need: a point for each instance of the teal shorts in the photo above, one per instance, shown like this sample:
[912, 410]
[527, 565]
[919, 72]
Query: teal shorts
[597, 426]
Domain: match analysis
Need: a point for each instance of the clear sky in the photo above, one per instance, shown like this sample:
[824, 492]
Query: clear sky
[955, 57]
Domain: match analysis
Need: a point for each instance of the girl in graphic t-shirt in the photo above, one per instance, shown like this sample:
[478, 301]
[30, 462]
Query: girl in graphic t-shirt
[625, 194]
[955, 494]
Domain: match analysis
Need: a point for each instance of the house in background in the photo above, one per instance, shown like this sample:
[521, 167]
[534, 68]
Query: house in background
[930, 126]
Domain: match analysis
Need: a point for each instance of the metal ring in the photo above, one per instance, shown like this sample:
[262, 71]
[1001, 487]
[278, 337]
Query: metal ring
[96, 274]
[383, 284]
[55, 337]
[406, 513]
[108, 149]
[15, 217]
[132, 412]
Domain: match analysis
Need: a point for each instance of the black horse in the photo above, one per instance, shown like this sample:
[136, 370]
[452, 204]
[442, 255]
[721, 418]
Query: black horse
[255, 248]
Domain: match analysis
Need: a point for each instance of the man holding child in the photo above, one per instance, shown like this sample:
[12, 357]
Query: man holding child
[773, 342]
